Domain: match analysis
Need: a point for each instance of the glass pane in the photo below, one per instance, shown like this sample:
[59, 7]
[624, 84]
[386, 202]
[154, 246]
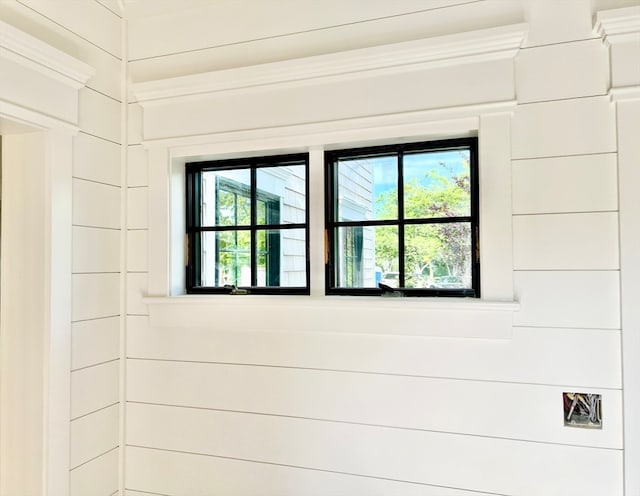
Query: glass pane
[281, 256]
[366, 256]
[226, 258]
[226, 198]
[437, 184]
[367, 188]
[438, 256]
[281, 195]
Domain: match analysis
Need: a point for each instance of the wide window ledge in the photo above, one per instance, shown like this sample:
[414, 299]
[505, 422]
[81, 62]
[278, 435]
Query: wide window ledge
[441, 317]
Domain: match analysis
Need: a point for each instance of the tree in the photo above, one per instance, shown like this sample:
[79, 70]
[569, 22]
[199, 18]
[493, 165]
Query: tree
[437, 249]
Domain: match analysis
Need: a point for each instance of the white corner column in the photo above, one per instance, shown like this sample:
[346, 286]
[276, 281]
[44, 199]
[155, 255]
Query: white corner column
[628, 116]
[620, 29]
[38, 118]
[57, 305]
[35, 319]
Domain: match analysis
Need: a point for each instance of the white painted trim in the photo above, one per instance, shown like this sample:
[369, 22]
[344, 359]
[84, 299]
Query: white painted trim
[490, 120]
[316, 222]
[43, 291]
[31, 52]
[124, 262]
[166, 227]
[496, 222]
[618, 24]
[628, 120]
[51, 159]
[450, 121]
[442, 317]
[622, 93]
[57, 278]
[441, 51]
[329, 302]
[26, 116]
[621, 26]
[166, 231]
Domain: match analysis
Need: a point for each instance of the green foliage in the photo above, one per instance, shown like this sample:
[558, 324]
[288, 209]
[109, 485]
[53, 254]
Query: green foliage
[431, 250]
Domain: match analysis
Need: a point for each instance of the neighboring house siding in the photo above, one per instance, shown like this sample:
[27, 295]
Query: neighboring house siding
[356, 184]
[288, 188]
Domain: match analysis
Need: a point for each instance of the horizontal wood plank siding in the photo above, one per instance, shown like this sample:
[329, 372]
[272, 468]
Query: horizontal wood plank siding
[582, 183]
[189, 473]
[525, 358]
[94, 341]
[94, 388]
[96, 477]
[585, 241]
[491, 465]
[94, 435]
[229, 408]
[373, 399]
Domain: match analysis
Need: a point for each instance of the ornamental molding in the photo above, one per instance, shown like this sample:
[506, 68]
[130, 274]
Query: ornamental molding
[618, 25]
[622, 27]
[33, 53]
[429, 53]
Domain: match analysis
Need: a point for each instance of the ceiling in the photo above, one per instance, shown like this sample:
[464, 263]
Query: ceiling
[140, 9]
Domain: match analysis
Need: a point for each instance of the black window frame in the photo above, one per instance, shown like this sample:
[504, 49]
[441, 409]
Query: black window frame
[332, 157]
[193, 172]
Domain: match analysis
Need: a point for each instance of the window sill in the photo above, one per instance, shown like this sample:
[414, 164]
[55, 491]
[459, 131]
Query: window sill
[441, 317]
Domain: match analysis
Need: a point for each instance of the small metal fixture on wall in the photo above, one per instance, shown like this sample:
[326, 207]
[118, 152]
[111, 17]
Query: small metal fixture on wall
[582, 410]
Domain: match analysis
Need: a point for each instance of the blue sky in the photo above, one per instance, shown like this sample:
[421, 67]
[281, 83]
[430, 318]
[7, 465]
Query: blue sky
[446, 163]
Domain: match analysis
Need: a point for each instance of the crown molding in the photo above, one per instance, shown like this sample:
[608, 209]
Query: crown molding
[618, 25]
[441, 51]
[29, 51]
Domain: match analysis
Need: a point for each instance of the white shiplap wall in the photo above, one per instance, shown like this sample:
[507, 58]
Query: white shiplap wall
[264, 412]
[91, 31]
[181, 41]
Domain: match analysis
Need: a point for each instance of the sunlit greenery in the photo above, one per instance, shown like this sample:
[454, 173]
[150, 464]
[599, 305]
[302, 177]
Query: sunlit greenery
[431, 250]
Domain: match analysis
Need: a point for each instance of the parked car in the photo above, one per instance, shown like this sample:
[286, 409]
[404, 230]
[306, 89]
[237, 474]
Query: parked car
[447, 282]
[391, 279]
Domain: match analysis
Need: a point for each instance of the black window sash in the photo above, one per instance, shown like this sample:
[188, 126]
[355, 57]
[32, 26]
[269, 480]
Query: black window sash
[332, 223]
[194, 227]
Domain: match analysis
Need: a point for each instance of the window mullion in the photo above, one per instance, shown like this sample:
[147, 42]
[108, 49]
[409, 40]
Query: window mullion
[401, 268]
[475, 216]
[253, 215]
[320, 234]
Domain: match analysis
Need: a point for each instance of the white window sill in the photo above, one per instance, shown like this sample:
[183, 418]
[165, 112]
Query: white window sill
[438, 317]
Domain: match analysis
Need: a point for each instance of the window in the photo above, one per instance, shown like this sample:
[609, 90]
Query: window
[247, 225]
[403, 216]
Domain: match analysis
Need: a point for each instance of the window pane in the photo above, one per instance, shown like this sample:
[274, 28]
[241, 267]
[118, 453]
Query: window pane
[367, 188]
[281, 195]
[366, 255]
[437, 184]
[226, 258]
[226, 198]
[438, 256]
[281, 256]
